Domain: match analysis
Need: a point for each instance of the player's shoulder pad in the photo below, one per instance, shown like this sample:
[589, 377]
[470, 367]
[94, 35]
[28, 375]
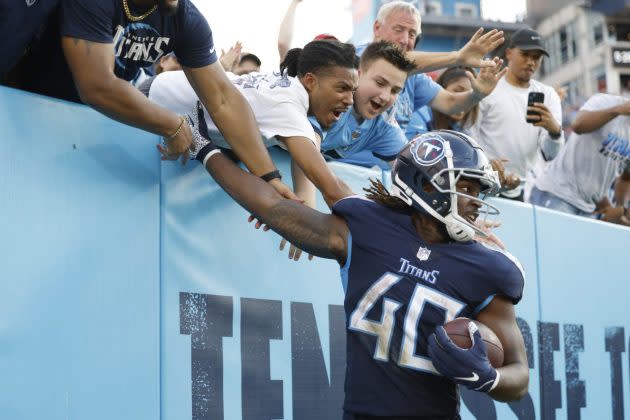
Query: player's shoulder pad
[354, 204]
[508, 271]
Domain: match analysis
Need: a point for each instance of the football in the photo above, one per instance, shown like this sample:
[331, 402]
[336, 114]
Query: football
[457, 331]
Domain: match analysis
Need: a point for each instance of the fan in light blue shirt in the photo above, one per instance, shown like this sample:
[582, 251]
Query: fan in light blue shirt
[364, 135]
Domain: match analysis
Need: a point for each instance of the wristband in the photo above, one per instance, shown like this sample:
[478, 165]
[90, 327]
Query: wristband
[206, 152]
[271, 175]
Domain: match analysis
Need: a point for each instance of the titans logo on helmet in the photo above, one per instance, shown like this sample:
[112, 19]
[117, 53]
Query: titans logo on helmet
[427, 150]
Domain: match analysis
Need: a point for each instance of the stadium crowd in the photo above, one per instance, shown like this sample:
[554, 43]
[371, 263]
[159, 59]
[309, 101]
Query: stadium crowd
[63, 49]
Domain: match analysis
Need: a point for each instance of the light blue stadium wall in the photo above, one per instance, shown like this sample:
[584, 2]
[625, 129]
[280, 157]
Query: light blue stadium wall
[131, 289]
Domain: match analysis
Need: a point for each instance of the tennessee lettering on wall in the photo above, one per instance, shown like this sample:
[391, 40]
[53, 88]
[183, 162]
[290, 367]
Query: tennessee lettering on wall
[317, 394]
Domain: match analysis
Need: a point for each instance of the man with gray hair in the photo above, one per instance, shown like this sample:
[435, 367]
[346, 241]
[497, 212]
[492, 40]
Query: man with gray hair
[399, 22]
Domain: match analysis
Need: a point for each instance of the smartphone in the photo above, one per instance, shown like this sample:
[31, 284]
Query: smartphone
[532, 98]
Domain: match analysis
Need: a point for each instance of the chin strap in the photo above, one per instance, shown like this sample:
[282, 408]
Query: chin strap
[458, 230]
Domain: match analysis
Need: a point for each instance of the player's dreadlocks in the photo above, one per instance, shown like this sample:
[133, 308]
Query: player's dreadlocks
[379, 193]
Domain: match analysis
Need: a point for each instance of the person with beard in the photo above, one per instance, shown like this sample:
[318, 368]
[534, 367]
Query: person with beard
[502, 128]
[106, 43]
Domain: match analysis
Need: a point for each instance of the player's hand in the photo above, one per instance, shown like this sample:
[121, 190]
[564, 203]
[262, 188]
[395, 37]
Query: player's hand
[470, 368]
[294, 252]
[179, 146]
[545, 119]
[472, 54]
[487, 79]
[258, 224]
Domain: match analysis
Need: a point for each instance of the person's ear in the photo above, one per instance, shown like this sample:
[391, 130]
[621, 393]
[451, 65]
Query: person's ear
[309, 81]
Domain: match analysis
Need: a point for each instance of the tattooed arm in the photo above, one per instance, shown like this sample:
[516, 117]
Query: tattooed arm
[92, 66]
[323, 235]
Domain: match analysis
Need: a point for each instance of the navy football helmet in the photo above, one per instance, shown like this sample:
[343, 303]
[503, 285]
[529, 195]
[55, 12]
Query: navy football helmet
[441, 158]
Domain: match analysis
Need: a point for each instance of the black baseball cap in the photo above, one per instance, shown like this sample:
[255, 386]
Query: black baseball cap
[527, 39]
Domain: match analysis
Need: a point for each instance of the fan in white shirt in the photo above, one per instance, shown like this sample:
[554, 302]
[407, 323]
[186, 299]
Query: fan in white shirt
[502, 129]
[317, 80]
[597, 154]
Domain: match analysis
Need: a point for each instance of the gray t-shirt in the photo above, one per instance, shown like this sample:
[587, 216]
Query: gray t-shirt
[587, 165]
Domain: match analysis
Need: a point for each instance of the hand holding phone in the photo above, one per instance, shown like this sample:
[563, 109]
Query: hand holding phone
[532, 98]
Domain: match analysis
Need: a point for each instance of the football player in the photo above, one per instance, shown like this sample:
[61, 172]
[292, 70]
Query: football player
[408, 264]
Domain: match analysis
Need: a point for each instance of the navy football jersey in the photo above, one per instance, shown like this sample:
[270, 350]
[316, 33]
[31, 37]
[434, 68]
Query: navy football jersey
[398, 289]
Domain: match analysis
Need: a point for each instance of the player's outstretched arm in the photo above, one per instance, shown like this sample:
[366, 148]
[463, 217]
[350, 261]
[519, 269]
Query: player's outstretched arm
[500, 317]
[323, 235]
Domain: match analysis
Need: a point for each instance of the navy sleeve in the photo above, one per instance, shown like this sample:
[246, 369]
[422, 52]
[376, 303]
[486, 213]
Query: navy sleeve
[195, 46]
[346, 207]
[353, 210]
[510, 278]
[369, 222]
[88, 19]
